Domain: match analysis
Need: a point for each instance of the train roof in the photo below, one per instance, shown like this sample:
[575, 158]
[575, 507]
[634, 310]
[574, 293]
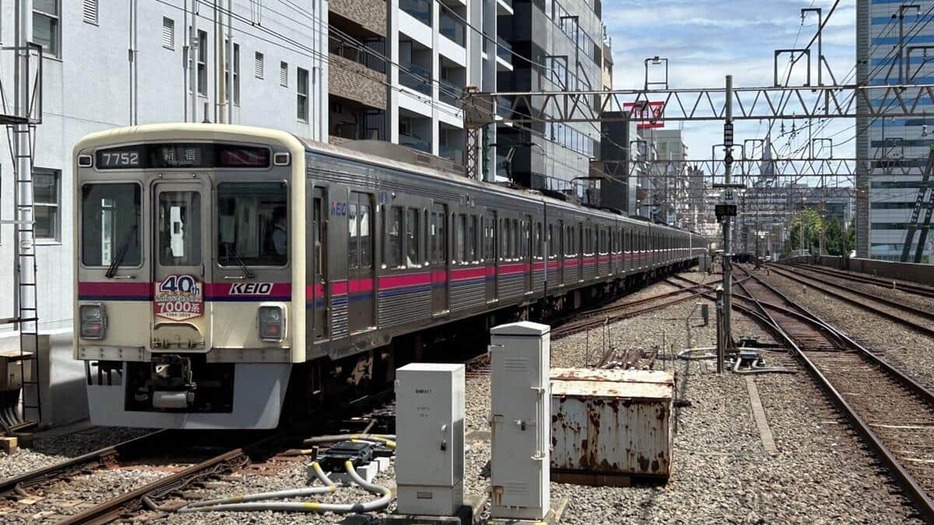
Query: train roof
[457, 178]
[207, 131]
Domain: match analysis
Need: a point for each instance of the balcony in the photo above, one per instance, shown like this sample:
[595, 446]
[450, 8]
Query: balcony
[450, 93]
[367, 14]
[453, 29]
[503, 55]
[414, 142]
[354, 81]
[454, 154]
[417, 9]
[415, 78]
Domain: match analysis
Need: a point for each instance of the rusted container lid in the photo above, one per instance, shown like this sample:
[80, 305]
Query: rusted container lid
[628, 384]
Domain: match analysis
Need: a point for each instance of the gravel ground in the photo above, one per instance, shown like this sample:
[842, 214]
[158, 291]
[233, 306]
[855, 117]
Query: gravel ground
[54, 447]
[894, 294]
[901, 346]
[721, 473]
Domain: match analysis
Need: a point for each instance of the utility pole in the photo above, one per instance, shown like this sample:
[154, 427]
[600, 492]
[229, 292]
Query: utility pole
[193, 48]
[727, 233]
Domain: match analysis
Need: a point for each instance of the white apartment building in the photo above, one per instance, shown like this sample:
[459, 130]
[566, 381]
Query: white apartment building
[108, 64]
[436, 48]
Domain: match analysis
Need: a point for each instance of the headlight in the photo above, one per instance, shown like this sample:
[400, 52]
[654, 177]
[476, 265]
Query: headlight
[93, 321]
[271, 323]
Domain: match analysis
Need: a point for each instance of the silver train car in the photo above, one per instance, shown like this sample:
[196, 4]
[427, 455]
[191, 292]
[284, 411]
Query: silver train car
[220, 267]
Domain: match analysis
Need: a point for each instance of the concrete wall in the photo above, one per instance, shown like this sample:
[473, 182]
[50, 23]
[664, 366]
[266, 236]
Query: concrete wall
[920, 273]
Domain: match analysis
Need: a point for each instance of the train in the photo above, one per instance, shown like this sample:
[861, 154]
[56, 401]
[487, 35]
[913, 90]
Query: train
[223, 270]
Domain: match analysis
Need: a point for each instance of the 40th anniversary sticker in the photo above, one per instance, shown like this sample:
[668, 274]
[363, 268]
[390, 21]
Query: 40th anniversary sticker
[179, 297]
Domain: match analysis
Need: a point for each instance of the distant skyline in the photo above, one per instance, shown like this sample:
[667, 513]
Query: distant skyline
[705, 40]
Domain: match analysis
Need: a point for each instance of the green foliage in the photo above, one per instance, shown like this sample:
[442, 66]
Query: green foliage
[810, 224]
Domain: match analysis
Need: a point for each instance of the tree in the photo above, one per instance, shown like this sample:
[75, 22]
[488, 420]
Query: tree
[835, 238]
[813, 227]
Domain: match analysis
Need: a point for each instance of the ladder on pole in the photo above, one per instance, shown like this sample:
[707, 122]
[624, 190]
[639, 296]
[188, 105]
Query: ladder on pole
[23, 149]
[913, 225]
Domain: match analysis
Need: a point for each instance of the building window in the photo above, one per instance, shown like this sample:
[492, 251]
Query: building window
[302, 99]
[168, 33]
[284, 74]
[203, 63]
[90, 11]
[46, 26]
[258, 65]
[236, 77]
[46, 195]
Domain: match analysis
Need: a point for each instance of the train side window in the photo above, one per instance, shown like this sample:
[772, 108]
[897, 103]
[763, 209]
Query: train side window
[516, 239]
[491, 237]
[366, 231]
[460, 241]
[504, 240]
[552, 242]
[527, 237]
[472, 238]
[352, 235]
[394, 238]
[412, 254]
[438, 234]
[319, 236]
[537, 242]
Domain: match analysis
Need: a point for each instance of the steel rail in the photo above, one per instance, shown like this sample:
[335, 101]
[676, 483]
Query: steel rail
[134, 500]
[918, 289]
[34, 477]
[926, 329]
[904, 478]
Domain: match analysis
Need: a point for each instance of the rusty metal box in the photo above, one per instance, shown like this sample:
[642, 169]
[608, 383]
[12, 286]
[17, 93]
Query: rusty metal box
[11, 373]
[609, 426]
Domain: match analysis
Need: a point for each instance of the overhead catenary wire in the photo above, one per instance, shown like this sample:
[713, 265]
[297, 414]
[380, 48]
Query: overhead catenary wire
[305, 50]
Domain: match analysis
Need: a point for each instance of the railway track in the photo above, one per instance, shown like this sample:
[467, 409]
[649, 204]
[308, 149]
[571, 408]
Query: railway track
[917, 319]
[892, 412]
[180, 454]
[617, 312]
[917, 289]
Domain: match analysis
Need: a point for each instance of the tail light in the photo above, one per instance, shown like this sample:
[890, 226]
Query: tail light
[93, 319]
[271, 323]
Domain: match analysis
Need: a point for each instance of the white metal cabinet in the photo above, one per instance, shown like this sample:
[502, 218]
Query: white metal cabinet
[430, 438]
[521, 421]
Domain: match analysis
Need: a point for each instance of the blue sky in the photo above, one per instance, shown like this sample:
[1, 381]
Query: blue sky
[704, 40]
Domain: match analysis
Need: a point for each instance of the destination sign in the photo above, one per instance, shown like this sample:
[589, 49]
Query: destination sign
[182, 155]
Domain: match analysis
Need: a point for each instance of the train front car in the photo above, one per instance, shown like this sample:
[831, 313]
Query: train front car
[189, 252]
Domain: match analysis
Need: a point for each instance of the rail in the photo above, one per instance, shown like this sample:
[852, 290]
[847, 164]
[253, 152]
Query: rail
[905, 479]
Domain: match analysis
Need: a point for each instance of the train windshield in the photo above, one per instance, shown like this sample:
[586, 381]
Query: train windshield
[110, 224]
[252, 224]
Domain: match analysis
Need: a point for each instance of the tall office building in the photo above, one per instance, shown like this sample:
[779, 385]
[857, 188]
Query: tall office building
[893, 48]
[557, 45]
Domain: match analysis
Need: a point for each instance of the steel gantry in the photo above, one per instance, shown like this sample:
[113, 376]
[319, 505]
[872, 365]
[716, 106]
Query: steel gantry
[727, 104]
[749, 103]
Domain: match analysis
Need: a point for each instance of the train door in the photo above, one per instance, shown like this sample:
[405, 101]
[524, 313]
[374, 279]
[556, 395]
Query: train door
[181, 266]
[361, 277]
[490, 225]
[579, 239]
[562, 251]
[525, 251]
[318, 270]
[438, 242]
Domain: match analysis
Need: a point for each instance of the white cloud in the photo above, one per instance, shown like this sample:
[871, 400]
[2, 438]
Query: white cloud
[708, 39]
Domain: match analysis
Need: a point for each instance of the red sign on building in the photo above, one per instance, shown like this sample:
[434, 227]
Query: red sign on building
[646, 114]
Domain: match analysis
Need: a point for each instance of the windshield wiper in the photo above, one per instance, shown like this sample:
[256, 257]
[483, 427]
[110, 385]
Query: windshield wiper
[232, 254]
[121, 253]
